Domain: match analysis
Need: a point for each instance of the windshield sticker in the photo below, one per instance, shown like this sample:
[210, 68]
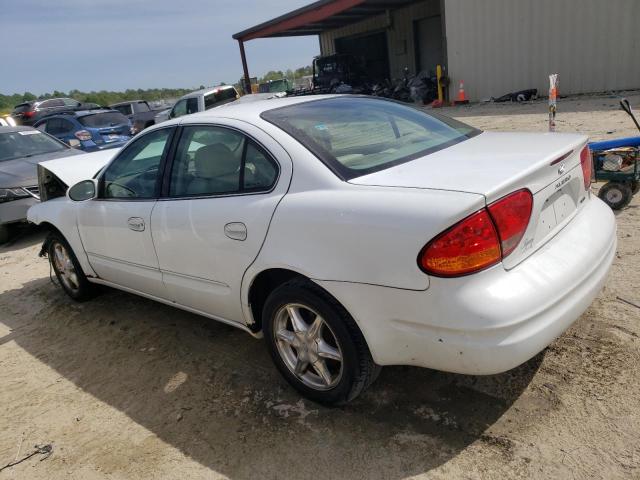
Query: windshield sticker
[29, 132]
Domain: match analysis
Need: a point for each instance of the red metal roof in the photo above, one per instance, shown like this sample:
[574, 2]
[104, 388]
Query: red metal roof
[318, 17]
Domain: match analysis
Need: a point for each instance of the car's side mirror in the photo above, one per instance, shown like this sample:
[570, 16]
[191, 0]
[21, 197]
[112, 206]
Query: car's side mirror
[84, 190]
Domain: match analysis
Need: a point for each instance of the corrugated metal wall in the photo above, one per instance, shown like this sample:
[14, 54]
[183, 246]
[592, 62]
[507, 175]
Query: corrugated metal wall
[498, 46]
[399, 27]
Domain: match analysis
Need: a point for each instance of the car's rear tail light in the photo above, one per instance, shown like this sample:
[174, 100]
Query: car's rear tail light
[83, 135]
[467, 247]
[587, 165]
[28, 113]
[511, 215]
[480, 240]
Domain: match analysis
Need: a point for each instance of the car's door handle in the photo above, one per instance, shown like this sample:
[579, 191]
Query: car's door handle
[136, 224]
[236, 231]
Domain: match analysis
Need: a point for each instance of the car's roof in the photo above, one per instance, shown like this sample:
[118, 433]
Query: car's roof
[206, 91]
[19, 128]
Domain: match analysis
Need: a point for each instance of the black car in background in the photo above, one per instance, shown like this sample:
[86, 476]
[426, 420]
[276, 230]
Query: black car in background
[28, 113]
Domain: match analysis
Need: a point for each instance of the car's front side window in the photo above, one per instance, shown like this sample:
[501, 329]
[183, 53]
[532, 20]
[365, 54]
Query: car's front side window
[134, 173]
[192, 105]
[216, 160]
[179, 109]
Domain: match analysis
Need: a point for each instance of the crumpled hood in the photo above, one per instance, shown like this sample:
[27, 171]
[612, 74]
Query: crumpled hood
[81, 167]
[23, 171]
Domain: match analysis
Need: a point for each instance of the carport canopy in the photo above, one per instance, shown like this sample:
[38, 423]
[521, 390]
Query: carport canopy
[313, 19]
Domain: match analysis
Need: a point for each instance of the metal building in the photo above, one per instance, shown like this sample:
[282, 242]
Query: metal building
[495, 46]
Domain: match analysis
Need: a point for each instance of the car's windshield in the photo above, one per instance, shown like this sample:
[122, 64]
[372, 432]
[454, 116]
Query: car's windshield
[26, 143]
[106, 119]
[354, 136]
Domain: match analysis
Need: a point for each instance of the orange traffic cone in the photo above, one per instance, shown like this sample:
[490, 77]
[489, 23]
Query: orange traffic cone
[462, 97]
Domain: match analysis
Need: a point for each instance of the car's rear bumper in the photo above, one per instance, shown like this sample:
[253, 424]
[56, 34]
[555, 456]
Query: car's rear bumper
[495, 320]
[16, 210]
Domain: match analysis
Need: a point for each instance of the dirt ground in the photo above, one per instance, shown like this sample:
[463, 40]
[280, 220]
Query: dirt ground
[125, 388]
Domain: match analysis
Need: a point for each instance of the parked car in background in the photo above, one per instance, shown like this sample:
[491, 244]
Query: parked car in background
[139, 113]
[21, 148]
[28, 113]
[88, 130]
[162, 115]
[351, 232]
[202, 100]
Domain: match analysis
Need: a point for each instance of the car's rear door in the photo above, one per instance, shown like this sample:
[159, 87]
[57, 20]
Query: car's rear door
[221, 192]
[115, 228]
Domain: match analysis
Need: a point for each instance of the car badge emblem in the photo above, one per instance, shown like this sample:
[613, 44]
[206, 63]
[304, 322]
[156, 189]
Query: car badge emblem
[561, 169]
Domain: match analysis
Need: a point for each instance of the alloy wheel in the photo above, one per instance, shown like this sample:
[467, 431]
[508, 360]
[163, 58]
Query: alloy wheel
[308, 346]
[64, 266]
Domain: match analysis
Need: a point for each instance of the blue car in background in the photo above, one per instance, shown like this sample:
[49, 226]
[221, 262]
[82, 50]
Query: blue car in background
[88, 130]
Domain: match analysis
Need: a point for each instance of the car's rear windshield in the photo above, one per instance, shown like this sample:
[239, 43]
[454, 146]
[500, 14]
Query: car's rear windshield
[355, 136]
[106, 119]
[141, 107]
[212, 99]
[27, 143]
[23, 107]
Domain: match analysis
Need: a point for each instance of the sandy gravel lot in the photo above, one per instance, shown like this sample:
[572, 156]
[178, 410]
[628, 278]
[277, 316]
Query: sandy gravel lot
[125, 388]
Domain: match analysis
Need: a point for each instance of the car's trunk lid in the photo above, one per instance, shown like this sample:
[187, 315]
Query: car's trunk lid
[496, 164]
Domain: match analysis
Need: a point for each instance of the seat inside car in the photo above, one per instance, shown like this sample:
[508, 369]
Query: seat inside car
[216, 170]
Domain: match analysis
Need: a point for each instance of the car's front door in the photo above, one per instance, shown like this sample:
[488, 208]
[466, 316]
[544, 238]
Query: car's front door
[116, 227]
[225, 184]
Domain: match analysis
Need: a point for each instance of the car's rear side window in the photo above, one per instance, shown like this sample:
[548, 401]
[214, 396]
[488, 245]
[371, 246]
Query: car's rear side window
[214, 98]
[106, 119]
[212, 160]
[355, 136]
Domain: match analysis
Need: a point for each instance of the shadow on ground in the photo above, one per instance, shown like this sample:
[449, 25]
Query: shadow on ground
[211, 391]
[22, 236]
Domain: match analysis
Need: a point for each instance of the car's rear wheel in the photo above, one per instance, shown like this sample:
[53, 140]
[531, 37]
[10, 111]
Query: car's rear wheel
[316, 345]
[67, 269]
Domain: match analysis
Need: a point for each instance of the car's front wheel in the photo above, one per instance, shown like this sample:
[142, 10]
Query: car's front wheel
[67, 269]
[316, 345]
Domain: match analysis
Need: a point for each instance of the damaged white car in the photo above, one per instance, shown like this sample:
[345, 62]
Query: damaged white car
[350, 232]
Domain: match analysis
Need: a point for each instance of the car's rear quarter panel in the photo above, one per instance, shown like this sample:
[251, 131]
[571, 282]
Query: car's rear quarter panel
[362, 234]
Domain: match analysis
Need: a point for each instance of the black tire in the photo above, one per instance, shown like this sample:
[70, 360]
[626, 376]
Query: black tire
[358, 368]
[4, 233]
[85, 290]
[615, 194]
[635, 187]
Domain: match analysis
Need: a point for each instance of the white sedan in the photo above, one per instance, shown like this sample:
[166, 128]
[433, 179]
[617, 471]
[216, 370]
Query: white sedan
[350, 232]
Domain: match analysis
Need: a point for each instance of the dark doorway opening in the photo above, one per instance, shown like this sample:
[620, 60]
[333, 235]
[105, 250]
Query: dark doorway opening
[372, 48]
[428, 41]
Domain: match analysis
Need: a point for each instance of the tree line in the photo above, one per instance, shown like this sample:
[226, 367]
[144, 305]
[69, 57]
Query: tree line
[103, 97]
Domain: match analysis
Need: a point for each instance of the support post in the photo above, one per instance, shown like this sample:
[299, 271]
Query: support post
[245, 69]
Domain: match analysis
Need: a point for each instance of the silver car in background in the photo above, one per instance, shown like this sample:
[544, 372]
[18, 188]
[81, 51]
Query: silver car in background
[202, 100]
[21, 149]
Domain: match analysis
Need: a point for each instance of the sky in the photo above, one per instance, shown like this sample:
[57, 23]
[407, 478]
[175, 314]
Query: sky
[48, 45]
